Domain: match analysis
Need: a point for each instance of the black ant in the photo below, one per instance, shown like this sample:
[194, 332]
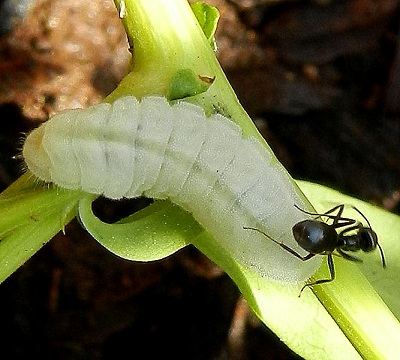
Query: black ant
[318, 237]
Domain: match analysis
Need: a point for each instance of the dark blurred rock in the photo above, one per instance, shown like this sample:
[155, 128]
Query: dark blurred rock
[12, 12]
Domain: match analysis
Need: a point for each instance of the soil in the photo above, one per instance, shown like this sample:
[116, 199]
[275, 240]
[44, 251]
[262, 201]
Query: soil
[320, 78]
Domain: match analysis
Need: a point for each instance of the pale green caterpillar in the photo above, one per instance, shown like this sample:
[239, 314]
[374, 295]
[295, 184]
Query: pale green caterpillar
[203, 164]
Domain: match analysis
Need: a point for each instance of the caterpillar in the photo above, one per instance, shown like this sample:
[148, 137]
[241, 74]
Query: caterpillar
[203, 164]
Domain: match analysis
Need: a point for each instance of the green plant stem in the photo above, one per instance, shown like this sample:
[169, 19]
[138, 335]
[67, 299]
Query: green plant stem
[360, 312]
[166, 38]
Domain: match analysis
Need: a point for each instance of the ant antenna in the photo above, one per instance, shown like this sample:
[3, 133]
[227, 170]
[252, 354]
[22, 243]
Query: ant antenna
[382, 256]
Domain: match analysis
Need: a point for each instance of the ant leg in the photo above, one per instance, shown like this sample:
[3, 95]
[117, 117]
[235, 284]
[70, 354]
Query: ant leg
[348, 256]
[336, 218]
[345, 221]
[356, 259]
[340, 212]
[357, 226]
[340, 207]
[290, 250]
[283, 246]
[322, 281]
[339, 215]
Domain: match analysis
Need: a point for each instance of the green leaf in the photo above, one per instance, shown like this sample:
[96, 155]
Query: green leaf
[185, 83]
[31, 215]
[208, 17]
[150, 234]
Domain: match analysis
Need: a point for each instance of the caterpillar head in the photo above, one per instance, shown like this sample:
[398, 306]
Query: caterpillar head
[35, 156]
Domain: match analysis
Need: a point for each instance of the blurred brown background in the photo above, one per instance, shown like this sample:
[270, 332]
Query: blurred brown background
[321, 79]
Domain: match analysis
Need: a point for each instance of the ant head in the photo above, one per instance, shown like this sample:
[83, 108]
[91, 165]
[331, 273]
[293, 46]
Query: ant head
[368, 239]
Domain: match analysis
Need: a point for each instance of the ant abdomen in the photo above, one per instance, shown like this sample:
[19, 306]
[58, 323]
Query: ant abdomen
[315, 236]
